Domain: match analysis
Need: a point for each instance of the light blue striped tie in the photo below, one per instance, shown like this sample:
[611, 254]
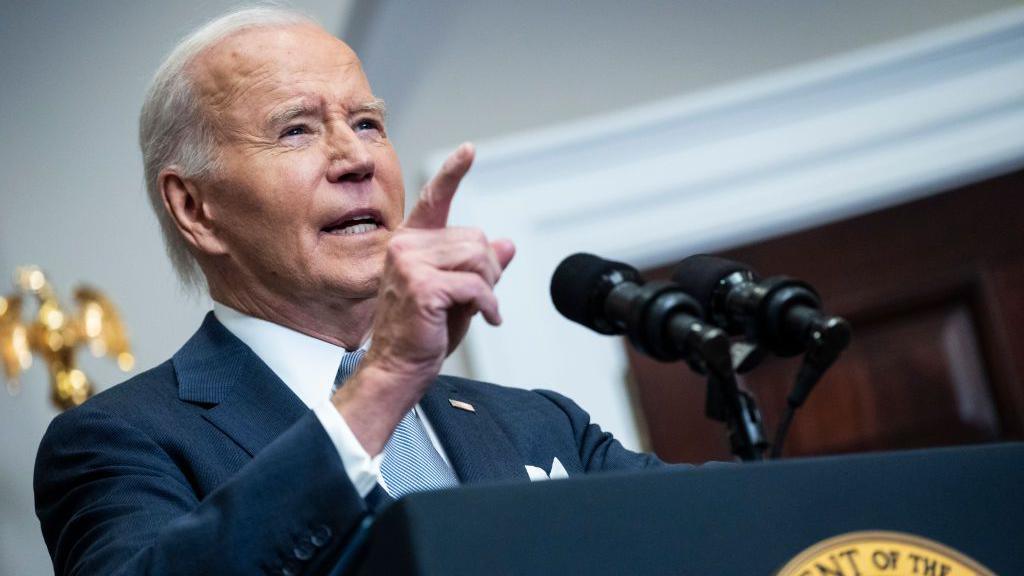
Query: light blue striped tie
[410, 463]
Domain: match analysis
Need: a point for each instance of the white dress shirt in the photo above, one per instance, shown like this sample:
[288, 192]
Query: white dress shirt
[308, 367]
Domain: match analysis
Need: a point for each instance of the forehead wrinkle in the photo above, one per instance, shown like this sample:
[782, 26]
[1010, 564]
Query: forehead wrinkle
[219, 88]
[223, 87]
[227, 71]
[250, 52]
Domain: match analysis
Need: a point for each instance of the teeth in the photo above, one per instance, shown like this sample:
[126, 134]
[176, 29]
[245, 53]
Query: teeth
[358, 228]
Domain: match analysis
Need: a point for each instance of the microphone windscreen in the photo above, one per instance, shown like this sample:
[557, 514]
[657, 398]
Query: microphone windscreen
[582, 282]
[699, 276]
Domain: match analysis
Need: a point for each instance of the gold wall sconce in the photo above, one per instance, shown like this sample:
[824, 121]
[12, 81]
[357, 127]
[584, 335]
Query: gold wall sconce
[55, 334]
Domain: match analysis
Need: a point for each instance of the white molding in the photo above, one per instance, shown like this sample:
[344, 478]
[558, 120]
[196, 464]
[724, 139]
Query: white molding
[753, 160]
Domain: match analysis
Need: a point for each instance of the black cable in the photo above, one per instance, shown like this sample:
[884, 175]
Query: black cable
[828, 339]
[782, 430]
[808, 375]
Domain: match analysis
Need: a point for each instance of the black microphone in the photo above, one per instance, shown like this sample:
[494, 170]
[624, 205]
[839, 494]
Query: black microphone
[780, 313]
[611, 298]
[665, 323]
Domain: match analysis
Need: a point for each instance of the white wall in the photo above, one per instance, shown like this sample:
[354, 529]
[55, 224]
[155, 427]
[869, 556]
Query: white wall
[72, 76]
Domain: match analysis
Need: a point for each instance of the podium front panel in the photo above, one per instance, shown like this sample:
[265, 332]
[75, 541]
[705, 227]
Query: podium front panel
[743, 519]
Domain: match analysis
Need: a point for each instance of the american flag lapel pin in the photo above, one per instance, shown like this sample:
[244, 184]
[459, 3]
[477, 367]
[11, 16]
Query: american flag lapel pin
[461, 405]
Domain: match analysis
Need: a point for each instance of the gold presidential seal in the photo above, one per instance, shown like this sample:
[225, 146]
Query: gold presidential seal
[878, 553]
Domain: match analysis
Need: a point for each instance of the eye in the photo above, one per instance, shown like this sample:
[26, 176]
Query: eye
[297, 130]
[369, 124]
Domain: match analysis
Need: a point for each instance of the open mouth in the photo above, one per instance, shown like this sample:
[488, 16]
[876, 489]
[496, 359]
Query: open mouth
[355, 223]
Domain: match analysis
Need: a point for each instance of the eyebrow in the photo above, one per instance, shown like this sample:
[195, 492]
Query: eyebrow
[376, 105]
[289, 113]
[301, 109]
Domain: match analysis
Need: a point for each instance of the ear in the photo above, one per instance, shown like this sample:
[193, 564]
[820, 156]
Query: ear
[186, 202]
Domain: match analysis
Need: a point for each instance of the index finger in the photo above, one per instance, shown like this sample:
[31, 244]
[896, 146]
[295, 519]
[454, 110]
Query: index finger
[431, 210]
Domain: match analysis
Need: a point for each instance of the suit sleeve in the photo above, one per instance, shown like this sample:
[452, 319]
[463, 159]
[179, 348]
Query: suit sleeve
[112, 501]
[598, 450]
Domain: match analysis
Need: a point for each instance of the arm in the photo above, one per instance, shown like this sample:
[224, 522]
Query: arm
[112, 501]
[599, 450]
[435, 279]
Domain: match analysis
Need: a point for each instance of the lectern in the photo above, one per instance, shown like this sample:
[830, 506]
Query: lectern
[749, 519]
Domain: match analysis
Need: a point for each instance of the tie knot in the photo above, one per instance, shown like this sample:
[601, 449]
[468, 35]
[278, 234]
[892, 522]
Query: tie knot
[349, 362]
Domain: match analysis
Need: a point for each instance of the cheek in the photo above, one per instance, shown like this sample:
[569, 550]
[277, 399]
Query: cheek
[288, 185]
[295, 197]
[294, 179]
[267, 204]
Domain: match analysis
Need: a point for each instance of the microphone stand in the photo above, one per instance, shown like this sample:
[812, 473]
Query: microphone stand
[725, 401]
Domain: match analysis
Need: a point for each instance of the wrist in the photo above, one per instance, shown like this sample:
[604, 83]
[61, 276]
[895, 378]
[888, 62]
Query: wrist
[404, 369]
[373, 400]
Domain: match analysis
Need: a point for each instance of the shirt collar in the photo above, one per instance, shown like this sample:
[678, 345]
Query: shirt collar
[305, 364]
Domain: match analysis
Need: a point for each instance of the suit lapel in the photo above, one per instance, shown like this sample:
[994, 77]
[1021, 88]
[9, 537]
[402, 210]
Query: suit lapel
[249, 402]
[477, 447]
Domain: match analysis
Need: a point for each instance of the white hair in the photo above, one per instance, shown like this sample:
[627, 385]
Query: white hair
[175, 131]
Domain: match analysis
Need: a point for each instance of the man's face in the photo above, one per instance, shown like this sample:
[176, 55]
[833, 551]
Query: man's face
[308, 188]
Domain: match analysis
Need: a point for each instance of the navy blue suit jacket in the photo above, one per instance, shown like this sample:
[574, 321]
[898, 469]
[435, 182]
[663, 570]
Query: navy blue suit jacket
[209, 464]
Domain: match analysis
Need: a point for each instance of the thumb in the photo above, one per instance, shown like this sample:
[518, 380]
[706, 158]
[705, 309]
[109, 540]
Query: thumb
[505, 250]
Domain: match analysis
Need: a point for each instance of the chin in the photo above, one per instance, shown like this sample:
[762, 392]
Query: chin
[351, 285]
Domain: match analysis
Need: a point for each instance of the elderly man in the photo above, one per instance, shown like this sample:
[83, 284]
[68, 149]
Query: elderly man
[251, 451]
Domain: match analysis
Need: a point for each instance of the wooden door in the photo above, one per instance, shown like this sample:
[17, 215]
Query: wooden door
[933, 290]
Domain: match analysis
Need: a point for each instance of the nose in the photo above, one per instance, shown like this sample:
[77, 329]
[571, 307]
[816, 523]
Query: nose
[351, 159]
